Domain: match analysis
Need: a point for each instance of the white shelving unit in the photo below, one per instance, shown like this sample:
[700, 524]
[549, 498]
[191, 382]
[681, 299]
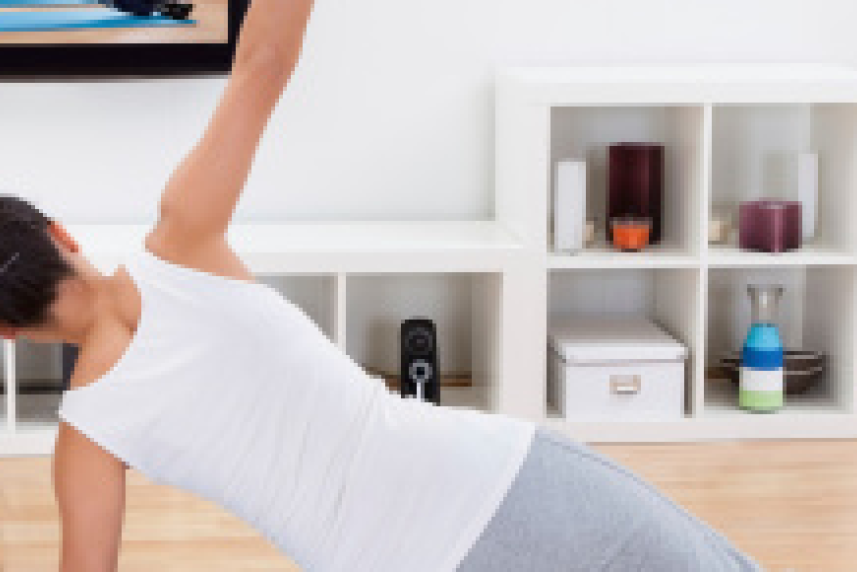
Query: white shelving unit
[726, 130]
[324, 267]
[719, 123]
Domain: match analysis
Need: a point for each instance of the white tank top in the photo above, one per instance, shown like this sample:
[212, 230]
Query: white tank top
[231, 392]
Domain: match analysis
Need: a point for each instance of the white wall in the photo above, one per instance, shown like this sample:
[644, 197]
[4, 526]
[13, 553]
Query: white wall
[390, 113]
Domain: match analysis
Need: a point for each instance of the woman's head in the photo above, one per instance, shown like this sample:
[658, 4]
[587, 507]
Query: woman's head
[32, 263]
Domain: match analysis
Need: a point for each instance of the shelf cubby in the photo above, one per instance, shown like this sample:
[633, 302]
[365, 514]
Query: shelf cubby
[30, 402]
[33, 411]
[463, 307]
[585, 132]
[28, 406]
[816, 312]
[668, 297]
[38, 366]
[315, 294]
[754, 149]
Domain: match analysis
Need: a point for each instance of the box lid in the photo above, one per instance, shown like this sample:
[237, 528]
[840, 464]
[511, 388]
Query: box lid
[586, 340]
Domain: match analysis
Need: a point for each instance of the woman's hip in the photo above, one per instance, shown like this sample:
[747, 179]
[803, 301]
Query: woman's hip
[570, 508]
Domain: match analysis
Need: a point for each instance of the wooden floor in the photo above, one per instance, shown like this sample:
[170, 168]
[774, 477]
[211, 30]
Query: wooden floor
[792, 505]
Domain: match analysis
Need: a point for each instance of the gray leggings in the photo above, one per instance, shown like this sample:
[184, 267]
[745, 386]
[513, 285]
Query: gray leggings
[570, 508]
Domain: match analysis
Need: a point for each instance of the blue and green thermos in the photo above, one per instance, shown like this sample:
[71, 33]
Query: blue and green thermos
[762, 376]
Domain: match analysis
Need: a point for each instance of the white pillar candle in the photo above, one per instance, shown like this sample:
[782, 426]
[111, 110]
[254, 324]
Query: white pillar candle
[569, 206]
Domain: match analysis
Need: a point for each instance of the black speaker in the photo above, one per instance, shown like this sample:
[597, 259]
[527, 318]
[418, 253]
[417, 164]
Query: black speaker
[420, 362]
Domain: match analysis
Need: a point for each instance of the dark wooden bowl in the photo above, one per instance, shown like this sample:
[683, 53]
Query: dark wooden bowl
[803, 369]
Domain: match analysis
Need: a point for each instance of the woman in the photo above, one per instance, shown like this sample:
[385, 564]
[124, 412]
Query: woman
[203, 379]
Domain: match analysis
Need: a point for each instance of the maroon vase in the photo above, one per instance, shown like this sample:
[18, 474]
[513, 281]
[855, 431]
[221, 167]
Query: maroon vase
[635, 174]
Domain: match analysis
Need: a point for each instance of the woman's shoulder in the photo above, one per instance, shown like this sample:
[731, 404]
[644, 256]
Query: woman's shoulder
[212, 256]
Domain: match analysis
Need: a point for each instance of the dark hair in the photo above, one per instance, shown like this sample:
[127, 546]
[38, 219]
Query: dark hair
[28, 284]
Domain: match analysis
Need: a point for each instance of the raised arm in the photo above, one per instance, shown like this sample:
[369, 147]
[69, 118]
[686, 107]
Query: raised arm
[202, 193]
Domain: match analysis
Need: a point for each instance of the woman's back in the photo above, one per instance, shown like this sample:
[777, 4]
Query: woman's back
[230, 391]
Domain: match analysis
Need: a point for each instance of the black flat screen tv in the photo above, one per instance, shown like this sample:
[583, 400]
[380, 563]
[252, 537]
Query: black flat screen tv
[60, 38]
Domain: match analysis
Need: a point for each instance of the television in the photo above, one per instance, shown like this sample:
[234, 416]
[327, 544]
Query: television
[61, 38]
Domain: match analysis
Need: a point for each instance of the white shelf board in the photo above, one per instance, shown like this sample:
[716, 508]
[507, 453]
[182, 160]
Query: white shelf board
[474, 397]
[620, 431]
[700, 83]
[322, 247]
[37, 440]
[754, 427]
[36, 427]
[601, 256]
[738, 425]
[721, 401]
[730, 256]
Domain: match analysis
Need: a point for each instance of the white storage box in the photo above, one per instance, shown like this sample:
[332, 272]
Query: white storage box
[615, 369]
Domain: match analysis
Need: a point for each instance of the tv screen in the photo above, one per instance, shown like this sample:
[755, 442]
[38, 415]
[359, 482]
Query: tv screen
[41, 38]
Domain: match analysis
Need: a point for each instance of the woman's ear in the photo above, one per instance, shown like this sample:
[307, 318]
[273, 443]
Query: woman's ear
[62, 235]
[8, 333]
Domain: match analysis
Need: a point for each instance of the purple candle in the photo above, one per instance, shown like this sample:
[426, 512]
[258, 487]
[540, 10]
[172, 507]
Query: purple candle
[770, 225]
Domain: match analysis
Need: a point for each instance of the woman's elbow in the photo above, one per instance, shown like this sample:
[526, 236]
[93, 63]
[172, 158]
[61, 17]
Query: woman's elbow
[264, 61]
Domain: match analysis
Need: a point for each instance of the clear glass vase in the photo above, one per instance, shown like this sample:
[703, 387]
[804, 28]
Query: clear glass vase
[762, 374]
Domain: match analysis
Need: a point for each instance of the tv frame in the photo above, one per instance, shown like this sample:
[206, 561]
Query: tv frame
[50, 61]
